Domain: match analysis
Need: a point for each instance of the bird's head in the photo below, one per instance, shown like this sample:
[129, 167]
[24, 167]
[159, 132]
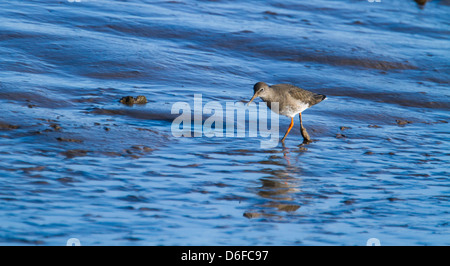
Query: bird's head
[260, 89]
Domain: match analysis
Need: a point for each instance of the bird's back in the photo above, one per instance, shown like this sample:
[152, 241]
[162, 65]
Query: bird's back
[298, 94]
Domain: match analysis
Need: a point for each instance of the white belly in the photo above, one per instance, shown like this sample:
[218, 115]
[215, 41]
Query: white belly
[288, 109]
[292, 110]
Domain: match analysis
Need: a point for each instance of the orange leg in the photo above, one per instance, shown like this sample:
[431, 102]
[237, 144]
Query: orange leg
[289, 129]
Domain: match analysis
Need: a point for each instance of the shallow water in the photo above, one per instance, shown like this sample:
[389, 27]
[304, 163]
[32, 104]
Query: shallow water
[74, 162]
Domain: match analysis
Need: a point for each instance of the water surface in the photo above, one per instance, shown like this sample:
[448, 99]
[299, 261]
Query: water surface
[74, 162]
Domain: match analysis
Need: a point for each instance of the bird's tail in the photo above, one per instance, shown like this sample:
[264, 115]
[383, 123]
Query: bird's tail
[318, 98]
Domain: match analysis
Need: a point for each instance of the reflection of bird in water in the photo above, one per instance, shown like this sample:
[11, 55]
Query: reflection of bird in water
[291, 101]
[286, 153]
[277, 193]
[278, 189]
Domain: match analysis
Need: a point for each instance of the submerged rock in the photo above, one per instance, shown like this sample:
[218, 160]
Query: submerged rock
[56, 127]
[130, 100]
[4, 126]
[251, 215]
[69, 140]
[74, 153]
[374, 126]
[402, 122]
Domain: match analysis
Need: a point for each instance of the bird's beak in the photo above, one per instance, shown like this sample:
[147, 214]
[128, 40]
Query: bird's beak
[251, 100]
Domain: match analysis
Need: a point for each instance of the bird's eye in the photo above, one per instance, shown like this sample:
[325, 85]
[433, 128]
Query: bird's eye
[262, 89]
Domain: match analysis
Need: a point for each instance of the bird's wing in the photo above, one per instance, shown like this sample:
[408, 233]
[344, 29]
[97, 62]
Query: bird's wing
[301, 94]
[306, 96]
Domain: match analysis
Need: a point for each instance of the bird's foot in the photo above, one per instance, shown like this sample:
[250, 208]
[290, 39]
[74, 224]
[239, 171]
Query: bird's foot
[306, 141]
[306, 137]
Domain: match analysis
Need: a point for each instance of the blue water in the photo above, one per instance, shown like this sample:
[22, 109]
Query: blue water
[76, 163]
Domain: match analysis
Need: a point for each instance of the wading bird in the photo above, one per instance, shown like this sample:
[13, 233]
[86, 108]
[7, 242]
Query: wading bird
[291, 100]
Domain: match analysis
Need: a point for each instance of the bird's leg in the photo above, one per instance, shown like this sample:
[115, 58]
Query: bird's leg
[306, 138]
[289, 129]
